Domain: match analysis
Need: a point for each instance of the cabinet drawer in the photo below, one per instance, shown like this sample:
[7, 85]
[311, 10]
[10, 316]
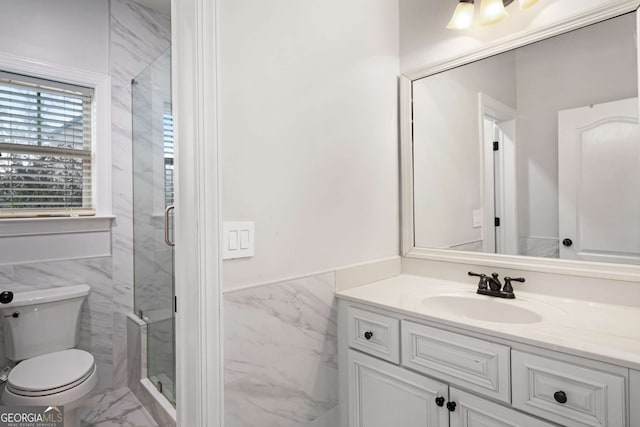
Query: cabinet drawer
[472, 411]
[568, 394]
[477, 365]
[374, 333]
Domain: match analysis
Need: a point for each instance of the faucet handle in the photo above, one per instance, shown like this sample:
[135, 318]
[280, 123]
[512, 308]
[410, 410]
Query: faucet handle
[482, 284]
[507, 283]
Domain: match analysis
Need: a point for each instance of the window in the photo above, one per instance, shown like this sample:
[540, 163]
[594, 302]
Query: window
[167, 127]
[45, 148]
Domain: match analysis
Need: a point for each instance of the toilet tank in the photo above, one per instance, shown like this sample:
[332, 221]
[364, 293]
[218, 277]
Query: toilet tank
[42, 321]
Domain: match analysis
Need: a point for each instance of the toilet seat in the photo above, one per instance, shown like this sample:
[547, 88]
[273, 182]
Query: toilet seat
[51, 373]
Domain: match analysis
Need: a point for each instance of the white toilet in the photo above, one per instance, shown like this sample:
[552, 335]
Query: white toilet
[40, 332]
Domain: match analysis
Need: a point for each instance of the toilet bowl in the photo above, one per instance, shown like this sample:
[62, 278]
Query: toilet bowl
[41, 331]
[64, 378]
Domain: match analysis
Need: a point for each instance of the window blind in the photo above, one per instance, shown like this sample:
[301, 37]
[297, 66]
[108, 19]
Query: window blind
[167, 127]
[45, 148]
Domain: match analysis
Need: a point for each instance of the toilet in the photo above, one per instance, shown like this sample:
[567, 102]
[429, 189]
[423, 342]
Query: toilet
[41, 331]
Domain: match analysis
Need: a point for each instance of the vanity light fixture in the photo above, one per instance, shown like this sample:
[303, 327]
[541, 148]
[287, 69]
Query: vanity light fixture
[463, 16]
[526, 4]
[491, 12]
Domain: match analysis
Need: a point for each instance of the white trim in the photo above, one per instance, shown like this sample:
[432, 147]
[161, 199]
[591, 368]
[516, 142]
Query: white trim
[600, 270]
[101, 84]
[80, 243]
[346, 275]
[11, 227]
[557, 266]
[197, 215]
[406, 165]
[507, 240]
[160, 398]
[369, 272]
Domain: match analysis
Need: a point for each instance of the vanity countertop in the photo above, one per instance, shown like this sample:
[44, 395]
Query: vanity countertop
[606, 332]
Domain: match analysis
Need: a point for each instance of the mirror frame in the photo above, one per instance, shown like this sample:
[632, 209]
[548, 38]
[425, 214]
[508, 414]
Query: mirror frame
[559, 266]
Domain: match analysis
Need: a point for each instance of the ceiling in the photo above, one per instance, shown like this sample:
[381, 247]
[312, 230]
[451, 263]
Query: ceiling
[162, 6]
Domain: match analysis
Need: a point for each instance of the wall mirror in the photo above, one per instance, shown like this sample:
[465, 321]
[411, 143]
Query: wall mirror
[530, 156]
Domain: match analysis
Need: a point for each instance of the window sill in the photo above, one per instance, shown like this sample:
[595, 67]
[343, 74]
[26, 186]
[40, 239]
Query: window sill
[30, 240]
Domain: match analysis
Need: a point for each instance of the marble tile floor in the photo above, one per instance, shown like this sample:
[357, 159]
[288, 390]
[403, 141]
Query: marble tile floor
[118, 408]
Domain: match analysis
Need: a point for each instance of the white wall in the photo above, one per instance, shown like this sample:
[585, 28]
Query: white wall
[424, 39]
[593, 65]
[308, 109]
[74, 33]
[447, 148]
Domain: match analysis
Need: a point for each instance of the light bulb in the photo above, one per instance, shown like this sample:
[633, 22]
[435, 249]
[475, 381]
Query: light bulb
[463, 16]
[492, 11]
[526, 4]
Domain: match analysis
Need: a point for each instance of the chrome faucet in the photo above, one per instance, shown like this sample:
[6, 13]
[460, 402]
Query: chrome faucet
[491, 285]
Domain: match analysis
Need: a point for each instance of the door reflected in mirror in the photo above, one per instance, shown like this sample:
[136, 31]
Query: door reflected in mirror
[535, 151]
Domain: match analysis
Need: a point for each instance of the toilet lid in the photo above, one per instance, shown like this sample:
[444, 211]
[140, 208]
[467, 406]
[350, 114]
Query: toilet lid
[52, 370]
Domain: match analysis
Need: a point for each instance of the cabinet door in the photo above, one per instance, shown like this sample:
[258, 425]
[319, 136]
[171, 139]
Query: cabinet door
[473, 411]
[634, 397]
[384, 395]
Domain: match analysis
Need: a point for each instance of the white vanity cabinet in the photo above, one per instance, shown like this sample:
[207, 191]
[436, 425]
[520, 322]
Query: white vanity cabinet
[443, 377]
[474, 364]
[473, 411]
[384, 395]
[568, 394]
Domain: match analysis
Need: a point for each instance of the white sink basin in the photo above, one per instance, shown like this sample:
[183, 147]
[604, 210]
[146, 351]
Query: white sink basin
[486, 309]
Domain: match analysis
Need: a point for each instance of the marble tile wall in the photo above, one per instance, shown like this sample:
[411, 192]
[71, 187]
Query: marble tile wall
[138, 36]
[540, 247]
[281, 367]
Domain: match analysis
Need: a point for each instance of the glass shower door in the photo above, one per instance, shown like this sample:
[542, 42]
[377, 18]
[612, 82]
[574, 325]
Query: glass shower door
[152, 199]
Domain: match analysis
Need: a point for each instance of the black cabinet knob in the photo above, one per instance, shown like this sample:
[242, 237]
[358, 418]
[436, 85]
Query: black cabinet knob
[560, 397]
[440, 401]
[451, 406]
[15, 314]
[6, 297]
[567, 242]
[368, 335]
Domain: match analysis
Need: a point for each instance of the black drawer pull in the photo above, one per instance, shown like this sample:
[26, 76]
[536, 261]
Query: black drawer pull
[6, 297]
[368, 335]
[560, 397]
[451, 406]
[440, 401]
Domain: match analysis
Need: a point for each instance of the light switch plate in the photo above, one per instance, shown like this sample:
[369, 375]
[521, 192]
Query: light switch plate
[238, 240]
[477, 218]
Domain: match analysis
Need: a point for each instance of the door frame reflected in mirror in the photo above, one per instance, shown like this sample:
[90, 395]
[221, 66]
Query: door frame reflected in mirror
[624, 272]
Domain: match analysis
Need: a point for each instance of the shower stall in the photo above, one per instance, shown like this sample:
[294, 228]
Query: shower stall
[153, 175]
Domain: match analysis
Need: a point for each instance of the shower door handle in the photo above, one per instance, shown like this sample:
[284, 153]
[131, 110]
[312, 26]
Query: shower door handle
[167, 238]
